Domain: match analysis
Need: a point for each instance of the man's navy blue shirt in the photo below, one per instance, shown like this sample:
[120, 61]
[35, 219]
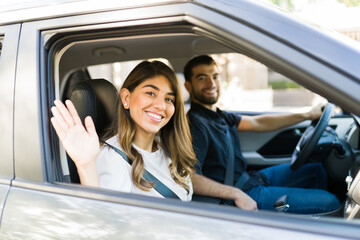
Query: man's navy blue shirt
[210, 142]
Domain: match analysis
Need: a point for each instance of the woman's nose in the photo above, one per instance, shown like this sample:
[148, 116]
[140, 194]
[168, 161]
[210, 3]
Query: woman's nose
[160, 103]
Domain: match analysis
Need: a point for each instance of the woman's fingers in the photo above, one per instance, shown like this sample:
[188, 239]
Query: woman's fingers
[64, 113]
[74, 114]
[60, 123]
[66, 119]
[90, 126]
[58, 128]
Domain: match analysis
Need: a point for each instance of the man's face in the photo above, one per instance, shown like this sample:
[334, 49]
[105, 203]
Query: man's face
[204, 87]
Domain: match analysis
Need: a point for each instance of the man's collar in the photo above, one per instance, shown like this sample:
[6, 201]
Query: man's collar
[199, 108]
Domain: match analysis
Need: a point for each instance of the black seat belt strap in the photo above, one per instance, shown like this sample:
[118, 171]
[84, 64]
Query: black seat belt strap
[159, 186]
[229, 174]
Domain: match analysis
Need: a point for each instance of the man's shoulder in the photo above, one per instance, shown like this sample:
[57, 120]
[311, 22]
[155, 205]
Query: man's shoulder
[197, 116]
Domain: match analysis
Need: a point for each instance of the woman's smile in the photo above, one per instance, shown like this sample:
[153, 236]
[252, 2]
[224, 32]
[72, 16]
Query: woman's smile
[154, 116]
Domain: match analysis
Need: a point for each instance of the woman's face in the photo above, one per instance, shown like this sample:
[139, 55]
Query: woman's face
[151, 104]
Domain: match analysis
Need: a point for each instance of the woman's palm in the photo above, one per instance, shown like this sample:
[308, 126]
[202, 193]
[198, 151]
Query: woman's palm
[81, 143]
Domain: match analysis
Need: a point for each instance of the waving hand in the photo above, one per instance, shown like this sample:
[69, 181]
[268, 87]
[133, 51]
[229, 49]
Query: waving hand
[81, 143]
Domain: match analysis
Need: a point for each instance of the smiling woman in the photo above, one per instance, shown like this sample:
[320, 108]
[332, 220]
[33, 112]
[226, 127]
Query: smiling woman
[150, 103]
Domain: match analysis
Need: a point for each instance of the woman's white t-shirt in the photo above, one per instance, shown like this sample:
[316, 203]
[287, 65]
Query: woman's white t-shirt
[115, 172]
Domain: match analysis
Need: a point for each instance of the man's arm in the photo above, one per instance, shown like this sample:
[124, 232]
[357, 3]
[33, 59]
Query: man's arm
[210, 188]
[271, 122]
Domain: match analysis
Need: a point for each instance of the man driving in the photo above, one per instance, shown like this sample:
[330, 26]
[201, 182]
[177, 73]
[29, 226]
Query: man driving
[221, 171]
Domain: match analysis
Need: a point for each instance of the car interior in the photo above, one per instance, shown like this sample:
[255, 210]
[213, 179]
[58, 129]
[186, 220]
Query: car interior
[90, 67]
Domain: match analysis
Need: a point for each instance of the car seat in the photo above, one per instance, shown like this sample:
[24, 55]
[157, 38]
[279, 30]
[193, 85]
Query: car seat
[96, 98]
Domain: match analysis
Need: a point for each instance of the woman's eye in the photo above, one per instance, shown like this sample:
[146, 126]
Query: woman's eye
[170, 100]
[150, 93]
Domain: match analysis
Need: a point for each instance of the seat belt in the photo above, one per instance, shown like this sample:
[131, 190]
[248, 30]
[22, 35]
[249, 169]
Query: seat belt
[229, 174]
[159, 186]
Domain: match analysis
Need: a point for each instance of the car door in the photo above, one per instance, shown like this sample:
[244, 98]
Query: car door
[9, 36]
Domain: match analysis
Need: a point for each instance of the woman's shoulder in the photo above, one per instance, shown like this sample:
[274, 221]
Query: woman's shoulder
[114, 141]
[109, 154]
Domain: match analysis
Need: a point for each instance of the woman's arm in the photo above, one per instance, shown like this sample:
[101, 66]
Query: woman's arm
[81, 143]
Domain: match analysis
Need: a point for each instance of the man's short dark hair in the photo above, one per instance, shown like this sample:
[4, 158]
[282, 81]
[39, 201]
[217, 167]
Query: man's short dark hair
[203, 59]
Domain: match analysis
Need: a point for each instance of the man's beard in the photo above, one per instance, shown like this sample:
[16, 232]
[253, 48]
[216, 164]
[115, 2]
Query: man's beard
[205, 100]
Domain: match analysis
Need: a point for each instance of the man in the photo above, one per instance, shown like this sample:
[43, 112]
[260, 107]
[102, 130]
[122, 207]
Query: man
[215, 141]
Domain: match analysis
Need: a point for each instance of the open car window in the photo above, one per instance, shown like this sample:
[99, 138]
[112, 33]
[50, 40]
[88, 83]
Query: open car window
[112, 59]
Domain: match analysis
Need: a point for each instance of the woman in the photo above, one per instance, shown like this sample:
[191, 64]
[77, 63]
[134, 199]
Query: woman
[151, 129]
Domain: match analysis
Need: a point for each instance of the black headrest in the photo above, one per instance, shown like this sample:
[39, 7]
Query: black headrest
[96, 98]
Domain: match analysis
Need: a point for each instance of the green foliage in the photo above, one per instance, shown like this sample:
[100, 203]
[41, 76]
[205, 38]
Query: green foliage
[286, 4]
[289, 4]
[283, 84]
[350, 3]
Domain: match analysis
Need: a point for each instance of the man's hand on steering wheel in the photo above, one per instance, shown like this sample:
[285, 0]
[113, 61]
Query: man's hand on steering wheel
[316, 112]
[311, 136]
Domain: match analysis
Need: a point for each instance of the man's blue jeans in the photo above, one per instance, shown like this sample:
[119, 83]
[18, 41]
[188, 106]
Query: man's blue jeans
[305, 188]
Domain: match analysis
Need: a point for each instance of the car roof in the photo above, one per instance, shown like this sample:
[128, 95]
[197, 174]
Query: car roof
[27, 10]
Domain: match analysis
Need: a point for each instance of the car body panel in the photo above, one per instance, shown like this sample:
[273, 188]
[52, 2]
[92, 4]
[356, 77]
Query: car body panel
[4, 190]
[28, 164]
[33, 10]
[57, 216]
[7, 80]
[10, 36]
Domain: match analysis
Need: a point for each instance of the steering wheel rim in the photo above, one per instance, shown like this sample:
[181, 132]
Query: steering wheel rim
[310, 138]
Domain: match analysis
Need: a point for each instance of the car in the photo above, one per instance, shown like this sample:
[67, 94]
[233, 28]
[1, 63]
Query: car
[49, 47]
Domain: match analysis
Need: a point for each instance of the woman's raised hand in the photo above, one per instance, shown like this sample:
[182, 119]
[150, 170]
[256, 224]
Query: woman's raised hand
[81, 143]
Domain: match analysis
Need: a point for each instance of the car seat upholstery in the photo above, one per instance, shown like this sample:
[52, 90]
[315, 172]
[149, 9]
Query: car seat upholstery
[96, 98]
[74, 78]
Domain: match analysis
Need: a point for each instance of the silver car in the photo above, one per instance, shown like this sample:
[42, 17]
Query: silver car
[48, 47]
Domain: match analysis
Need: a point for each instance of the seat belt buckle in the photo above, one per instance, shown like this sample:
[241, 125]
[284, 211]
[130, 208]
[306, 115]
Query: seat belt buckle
[281, 205]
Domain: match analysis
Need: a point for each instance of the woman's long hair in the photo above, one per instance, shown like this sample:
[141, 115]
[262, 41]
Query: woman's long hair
[175, 137]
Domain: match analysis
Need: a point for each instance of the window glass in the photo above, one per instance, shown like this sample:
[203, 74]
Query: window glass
[248, 85]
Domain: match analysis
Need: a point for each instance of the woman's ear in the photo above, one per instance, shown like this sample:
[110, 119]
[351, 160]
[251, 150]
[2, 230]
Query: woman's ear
[125, 98]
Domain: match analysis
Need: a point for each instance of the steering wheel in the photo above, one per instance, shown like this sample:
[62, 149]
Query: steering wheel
[310, 138]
